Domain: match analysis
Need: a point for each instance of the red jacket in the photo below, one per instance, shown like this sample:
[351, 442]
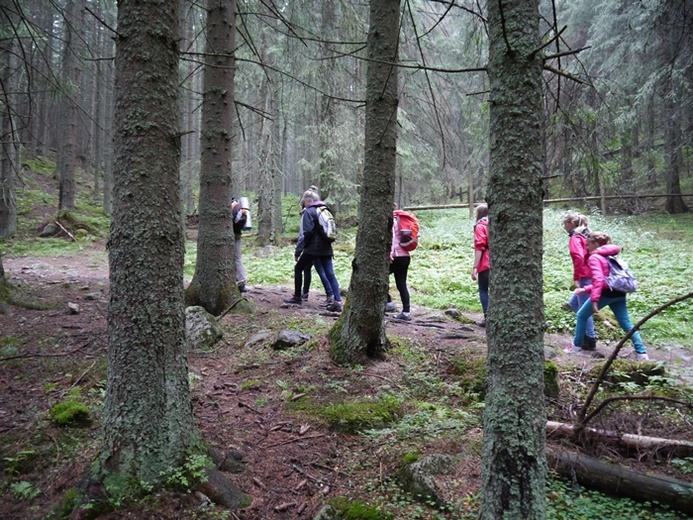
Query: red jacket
[599, 268]
[481, 243]
[577, 246]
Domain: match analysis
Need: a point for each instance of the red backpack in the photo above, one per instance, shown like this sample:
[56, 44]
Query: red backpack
[408, 230]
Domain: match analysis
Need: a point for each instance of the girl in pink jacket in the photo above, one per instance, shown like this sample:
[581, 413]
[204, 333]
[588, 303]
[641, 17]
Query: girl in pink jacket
[576, 227]
[599, 246]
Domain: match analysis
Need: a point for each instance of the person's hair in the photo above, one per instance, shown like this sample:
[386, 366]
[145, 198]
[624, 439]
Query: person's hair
[578, 220]
[481, 211]
[598, 237]
[309, 196]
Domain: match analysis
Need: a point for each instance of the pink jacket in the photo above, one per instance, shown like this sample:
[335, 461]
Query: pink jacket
[481, 243]
[599, 268]
[577, 246]
[396, 250]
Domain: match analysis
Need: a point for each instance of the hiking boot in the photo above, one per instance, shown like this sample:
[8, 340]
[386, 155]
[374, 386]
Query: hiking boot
[328, 301]
[481, 323]
[242, 287]
[589, 343]
[642, 357]
[390, 307]
[304, 296]
[294, 300]
[572, 349]
[404, 316]
[335, 307]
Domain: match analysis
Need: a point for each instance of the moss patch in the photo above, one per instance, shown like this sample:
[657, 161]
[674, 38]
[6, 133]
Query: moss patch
[71, 413]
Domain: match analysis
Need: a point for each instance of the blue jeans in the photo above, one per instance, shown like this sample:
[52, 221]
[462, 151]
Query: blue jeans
[578, 300]
[325, 263]
[482, 280]
[618, 307]
[302, 273]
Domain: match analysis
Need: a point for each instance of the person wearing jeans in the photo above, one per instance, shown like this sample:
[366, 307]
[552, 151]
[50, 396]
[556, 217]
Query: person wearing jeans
[480, 272]
[599, 246]
[576, 227]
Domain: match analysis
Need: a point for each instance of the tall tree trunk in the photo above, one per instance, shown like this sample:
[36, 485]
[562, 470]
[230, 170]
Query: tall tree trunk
[148, 423]
[8, 138]
[514, 463]
[214, 283]
[673, 144]
[71, 79]
[359, 334]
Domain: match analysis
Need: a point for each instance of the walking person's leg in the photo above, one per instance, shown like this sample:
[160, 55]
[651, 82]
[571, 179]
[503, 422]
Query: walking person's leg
[320, 269]
[240, 268]
[482, 279]
[620, 309]
[400, 268]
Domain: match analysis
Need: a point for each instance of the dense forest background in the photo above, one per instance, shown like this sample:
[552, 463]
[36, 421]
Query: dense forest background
[618, 107]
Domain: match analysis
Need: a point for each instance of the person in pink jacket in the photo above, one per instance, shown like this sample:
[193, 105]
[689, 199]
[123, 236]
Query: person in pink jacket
[599, 246]
[399, 266]
[480, 271]
[576, 227]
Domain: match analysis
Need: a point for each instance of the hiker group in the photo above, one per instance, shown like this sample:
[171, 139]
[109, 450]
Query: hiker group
[317, 232]
[600, 278]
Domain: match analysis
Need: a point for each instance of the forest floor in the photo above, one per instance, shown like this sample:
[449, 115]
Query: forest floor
[293, 464]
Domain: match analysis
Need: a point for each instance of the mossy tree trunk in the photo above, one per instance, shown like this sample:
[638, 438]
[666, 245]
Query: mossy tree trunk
[514, 462]
[71, 78]
[214, 283]
[9, 152]
[359, 334]
[147, 420]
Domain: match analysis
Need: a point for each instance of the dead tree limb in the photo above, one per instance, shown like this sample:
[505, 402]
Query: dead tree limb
[582, 414]
[621, 481]
[673, 447]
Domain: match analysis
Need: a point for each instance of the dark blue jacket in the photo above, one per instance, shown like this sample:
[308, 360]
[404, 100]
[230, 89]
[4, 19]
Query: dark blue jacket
[314, 240]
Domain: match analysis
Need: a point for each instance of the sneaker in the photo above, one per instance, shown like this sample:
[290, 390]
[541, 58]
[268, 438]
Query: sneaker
[304, 296]
[294, 300]
[335, 307]
[390, 307]
[589, 343]
[328, 301]
[404, 316]
[572, 349]
[642, 357]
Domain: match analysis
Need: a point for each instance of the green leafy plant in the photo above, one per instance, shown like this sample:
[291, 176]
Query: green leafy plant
[24, 490]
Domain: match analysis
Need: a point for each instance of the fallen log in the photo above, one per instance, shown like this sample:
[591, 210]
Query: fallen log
[620, 481]
[673, 447]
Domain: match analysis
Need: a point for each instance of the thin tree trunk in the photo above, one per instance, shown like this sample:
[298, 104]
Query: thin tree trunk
[71, 78]
[8, 138]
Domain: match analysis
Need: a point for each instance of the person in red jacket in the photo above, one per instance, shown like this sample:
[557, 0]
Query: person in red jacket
[576, 227]
[480, 272]
[599, 246]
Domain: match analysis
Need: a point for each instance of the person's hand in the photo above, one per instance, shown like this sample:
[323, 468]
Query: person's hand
[579, 290]
[595, 307]
[474, 274]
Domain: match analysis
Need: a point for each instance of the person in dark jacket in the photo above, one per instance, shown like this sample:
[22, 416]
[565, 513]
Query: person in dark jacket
[317, 249]
[240, 216]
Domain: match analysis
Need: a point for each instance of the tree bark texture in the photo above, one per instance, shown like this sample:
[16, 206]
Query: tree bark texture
[71, 78]
[148, 421]
[359, 334]
[514, 463]
[214, 283]
[8, 139]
